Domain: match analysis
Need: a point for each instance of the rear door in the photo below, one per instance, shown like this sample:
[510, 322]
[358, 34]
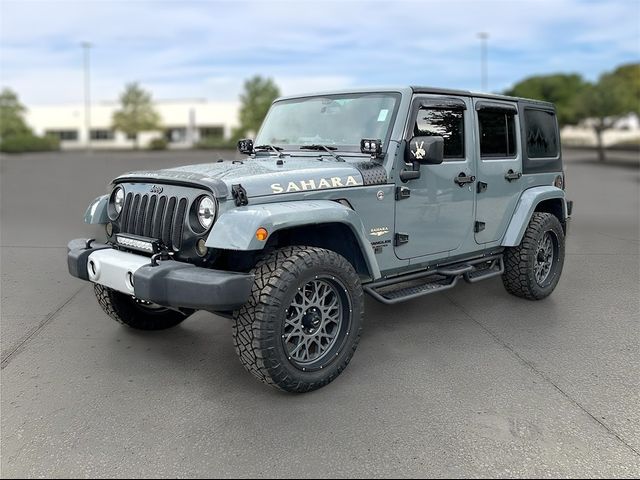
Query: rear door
[499, 167]
[437, 215]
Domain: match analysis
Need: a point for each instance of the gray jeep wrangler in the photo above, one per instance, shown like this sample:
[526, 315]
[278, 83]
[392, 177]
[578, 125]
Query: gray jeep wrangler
[395, 193]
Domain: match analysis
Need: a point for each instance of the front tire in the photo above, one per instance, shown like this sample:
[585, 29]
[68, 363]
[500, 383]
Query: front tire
[302, 323]
[533, 268]
[134, 313]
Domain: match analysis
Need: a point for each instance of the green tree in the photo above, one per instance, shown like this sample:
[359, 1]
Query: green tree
[11, 115]
[259, 93]
[614, 95]
[137, 113]
[560, 89]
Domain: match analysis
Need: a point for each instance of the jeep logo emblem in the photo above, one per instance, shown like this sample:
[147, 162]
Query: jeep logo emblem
[156, 189]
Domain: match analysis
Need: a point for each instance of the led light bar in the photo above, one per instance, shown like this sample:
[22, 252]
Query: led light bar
[140, 244]
[371, 146]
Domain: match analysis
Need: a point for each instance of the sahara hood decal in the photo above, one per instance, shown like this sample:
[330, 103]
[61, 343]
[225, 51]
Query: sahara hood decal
[313, 184]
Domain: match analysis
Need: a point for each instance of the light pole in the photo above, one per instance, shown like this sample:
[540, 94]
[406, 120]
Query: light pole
[484, 75]
[86, 46]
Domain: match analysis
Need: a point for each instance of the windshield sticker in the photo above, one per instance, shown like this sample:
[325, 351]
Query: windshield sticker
[303, 185]
[382, 116]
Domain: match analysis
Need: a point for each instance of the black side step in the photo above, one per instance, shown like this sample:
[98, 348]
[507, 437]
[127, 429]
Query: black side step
[414, 285]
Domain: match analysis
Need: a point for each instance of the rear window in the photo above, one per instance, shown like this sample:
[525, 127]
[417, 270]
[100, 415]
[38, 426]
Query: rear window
[542, 134]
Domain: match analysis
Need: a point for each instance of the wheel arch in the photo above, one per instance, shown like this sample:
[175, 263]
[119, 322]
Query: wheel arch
[547, 199]
[322, 223]
[97, 211]
[554, 206]
[334, 236]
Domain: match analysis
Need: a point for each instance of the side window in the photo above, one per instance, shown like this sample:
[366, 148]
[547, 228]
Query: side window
[542, 136]
[447, 123]
[497, 133]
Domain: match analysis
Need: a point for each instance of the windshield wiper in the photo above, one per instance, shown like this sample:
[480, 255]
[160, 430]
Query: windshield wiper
[327, 149]
[266, 147]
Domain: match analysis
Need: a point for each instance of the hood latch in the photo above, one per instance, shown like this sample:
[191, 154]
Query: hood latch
[239, 195]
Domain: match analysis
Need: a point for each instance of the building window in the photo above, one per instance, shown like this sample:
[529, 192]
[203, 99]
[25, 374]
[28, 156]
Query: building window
[176, 135]
[216, 132]
[497, 133]
[446, 123]
[63, 135]
[101, 134]
[132, 136]
[542, 135]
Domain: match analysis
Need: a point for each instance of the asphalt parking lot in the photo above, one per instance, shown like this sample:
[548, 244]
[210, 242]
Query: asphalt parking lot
[470, 382]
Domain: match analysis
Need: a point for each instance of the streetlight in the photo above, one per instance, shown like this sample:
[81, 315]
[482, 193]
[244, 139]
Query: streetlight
[484, 76]
[86, 46]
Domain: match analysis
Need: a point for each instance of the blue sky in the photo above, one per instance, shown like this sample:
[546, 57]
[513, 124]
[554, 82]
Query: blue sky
[205, 49]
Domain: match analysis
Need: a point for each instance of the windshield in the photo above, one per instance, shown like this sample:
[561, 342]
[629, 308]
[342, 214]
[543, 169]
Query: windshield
[339, 121]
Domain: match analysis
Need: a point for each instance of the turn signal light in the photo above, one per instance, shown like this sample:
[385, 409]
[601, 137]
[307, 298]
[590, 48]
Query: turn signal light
[262, 234]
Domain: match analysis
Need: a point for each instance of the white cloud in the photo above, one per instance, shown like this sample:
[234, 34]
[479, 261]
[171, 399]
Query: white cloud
[206, 49]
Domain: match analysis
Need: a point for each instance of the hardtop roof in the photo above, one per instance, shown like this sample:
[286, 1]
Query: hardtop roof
[468, 93]
[422, 89]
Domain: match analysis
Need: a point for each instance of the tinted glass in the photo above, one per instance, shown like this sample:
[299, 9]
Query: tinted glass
[101, 134]
[67, 135]
[449, 124]
[497, 133]
[542, 138]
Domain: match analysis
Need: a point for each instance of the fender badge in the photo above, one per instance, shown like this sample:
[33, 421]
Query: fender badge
[379, 231]
[380, 195]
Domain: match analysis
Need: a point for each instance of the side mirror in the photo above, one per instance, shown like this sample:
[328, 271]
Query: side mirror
[245, 146]
[425, 150]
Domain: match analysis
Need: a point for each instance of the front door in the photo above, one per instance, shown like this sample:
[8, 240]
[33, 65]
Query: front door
[499, 168]
[437, 215]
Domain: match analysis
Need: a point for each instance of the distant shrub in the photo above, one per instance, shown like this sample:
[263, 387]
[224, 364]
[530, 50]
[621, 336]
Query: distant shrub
[216, 144]
[28, 142]
[158, 144]
[629, 144]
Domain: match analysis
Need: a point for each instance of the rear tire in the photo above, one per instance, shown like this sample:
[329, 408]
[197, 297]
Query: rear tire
[133, 313]
[533, 268]
[302, 323]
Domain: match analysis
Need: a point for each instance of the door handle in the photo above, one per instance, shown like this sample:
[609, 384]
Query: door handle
[511, 175]
[463, 179]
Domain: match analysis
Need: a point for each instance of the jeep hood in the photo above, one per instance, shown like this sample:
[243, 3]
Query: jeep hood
[258, 176]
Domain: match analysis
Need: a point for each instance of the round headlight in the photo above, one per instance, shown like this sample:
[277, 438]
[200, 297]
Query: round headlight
[206, 212]
[117, 202]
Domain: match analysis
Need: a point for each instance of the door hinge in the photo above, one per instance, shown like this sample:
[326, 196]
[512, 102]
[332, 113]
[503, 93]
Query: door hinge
[482, 187]
[402, 193]
[401, 238]
[479, 227]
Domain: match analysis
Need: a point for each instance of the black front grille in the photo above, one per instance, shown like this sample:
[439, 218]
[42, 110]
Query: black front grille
[155, 216]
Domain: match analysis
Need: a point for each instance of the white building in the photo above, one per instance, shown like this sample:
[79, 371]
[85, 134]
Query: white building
[626, 129]
[184, 122]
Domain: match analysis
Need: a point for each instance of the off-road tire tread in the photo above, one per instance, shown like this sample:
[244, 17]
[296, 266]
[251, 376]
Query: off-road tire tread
[518, 277]
[119, 307]
[252, 341]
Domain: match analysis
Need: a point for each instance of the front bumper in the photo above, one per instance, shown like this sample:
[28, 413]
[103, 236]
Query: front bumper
[169, 283]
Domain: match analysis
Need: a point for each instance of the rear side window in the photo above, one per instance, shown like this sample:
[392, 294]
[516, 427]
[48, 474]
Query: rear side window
[542, 134]
[447, 123]
[497, 133]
